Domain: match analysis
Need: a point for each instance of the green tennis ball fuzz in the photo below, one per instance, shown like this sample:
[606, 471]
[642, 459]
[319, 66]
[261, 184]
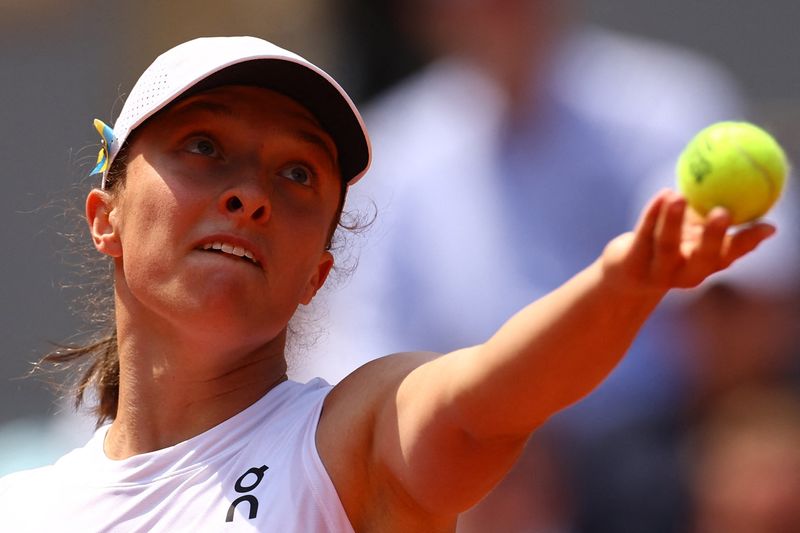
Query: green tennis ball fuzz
[736, 165]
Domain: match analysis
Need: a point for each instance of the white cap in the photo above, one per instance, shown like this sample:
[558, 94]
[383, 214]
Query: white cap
[209, 62]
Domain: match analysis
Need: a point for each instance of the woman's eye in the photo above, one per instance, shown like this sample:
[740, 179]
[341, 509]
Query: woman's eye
[202, 146]
[297, 173]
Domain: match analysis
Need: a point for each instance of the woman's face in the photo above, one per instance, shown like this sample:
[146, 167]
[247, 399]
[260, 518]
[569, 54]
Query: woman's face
[224, 217]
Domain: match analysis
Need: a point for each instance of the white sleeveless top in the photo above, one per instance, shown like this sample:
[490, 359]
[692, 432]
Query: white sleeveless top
[257, 471]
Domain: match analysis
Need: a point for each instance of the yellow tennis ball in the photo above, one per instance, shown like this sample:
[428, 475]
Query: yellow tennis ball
[736, 165]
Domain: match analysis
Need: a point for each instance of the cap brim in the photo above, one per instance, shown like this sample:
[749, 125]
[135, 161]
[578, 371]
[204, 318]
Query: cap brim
[313, 91]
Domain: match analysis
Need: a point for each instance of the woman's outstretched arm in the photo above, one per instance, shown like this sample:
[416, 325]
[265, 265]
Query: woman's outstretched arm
[444, 430]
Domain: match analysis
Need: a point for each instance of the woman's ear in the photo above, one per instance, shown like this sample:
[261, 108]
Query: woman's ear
[318, 279]
[100, 214]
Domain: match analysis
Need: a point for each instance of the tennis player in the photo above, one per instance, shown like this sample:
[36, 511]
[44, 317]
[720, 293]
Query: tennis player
[223, 180]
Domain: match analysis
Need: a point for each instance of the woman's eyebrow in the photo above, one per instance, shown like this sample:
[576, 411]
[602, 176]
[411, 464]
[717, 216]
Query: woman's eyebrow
[317, 141]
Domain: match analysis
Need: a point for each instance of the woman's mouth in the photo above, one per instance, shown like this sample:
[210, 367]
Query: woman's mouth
[230, 249]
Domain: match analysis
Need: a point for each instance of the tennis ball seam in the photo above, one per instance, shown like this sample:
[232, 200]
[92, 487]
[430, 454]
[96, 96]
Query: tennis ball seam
[760, 168]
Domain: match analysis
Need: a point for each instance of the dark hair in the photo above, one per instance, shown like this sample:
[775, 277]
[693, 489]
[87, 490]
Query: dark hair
[97, 359]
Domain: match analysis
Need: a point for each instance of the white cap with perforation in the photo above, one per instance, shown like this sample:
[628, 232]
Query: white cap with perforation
[209, 62]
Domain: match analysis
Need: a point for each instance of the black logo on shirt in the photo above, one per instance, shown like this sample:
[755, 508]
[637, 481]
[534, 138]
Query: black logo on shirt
[258, 472]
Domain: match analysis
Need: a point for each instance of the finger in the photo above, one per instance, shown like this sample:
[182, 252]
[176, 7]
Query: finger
[745, 241]
[707, 253]
[693, 217]
[694, 223]
[642, 245]
[649, 217]
[669, 230]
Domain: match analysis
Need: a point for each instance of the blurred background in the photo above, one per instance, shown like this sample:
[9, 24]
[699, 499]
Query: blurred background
[498, 126]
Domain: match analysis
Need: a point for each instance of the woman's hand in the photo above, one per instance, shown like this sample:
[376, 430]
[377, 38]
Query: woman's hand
[673, 247]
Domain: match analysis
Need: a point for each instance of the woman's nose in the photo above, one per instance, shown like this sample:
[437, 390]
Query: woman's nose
[245, 203]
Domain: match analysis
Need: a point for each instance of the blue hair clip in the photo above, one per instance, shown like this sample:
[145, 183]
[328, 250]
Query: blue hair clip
[108, 137]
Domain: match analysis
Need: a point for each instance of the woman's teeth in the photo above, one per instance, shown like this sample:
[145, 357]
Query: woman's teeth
[230, 249]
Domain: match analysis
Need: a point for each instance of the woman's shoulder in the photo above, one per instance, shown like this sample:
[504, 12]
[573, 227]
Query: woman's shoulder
[348, 429]
[39, 479]
[375, 379]
[353, 405]
[39, 499]
[17, 486]
[24, 476]
[25, 494]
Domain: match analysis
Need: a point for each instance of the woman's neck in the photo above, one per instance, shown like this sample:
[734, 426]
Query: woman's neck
[175, 386]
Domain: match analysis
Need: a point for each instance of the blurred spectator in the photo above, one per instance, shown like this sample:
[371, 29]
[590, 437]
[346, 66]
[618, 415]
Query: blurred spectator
[531, 141]
[501, 169]
[740, 338]
[746, 465]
